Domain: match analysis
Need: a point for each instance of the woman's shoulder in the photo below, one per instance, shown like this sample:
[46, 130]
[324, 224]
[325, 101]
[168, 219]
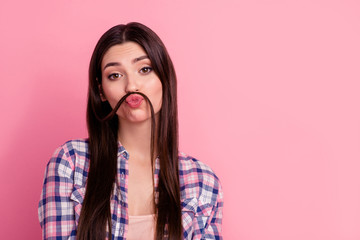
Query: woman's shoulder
[198, 180]
[189, 164]
[73, 147]
[78, 145]
[71, 157]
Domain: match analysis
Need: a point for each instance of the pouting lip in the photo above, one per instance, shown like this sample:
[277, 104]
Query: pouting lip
[134, 98]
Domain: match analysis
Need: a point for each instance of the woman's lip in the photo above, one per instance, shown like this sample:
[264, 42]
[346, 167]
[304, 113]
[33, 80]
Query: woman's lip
[134, 100]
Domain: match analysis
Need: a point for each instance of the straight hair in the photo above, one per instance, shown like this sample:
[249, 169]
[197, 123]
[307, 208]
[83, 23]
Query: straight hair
[95, 216]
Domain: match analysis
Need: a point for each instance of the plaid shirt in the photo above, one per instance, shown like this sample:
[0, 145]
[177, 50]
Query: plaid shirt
[65, 184]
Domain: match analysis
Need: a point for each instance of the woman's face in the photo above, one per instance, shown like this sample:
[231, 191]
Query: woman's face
[126, 68]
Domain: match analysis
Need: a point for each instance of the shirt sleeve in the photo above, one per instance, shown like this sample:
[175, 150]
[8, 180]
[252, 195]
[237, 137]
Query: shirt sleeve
[213, 228]
[56, 210]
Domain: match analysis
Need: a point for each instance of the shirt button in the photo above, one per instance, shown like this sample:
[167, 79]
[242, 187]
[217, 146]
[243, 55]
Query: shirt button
[125, 154]
[122, 176]
[121, 230]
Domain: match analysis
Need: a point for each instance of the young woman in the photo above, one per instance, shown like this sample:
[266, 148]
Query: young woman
[128, 179]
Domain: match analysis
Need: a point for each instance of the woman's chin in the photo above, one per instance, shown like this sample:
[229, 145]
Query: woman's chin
[134, 119]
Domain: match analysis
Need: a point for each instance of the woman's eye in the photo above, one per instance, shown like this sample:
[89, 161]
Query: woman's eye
[114, 76]
[145, 70]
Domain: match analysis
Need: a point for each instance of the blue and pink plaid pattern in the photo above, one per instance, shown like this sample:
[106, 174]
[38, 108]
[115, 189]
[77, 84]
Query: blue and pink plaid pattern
[64, 190]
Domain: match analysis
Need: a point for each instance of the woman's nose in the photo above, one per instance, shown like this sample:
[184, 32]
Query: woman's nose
[132, 84]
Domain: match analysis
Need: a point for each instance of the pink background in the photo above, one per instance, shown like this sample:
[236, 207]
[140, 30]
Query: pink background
[268, 96]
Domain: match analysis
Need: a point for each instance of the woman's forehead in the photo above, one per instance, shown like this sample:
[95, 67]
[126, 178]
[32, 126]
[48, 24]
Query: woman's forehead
[127, 51]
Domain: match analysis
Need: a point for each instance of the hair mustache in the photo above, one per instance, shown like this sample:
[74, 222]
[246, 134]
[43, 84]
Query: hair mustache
[113, 112]
[117, 106]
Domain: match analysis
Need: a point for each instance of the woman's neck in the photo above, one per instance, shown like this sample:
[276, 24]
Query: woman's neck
[136, 139]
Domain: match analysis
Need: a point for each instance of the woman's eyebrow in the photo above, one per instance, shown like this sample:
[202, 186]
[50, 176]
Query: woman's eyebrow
[140, 58]
[110, 64]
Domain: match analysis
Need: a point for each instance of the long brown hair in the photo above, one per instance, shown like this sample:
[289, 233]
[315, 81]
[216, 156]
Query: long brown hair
[103, 140]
